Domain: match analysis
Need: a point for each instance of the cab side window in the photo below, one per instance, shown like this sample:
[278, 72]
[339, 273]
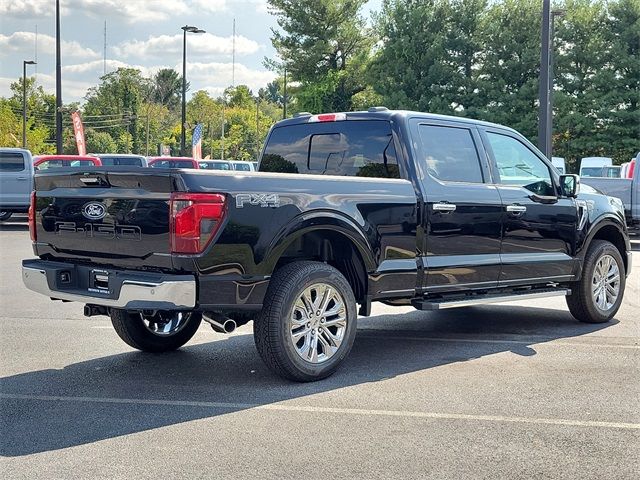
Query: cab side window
[517, 165]
[450, 154]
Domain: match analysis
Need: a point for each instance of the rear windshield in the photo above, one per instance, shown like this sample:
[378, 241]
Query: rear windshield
[11, 162]
[131, 161]
[244, 167]
[172, 164]
[591, 172]
[350, 148]
[215, 166]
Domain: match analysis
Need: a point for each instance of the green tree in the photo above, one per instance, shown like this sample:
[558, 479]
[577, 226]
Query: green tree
[167, 88]
[114, 105]
[429, 59]
[99, 142]
[324, 45]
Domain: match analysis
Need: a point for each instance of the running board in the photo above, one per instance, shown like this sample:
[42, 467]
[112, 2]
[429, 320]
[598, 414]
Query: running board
[441, 304]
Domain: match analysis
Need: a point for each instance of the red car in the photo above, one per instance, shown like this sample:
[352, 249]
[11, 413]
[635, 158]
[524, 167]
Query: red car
[44, 162]
[173, 162]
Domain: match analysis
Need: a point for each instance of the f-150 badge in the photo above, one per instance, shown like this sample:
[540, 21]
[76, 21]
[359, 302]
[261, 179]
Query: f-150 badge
[262, 199]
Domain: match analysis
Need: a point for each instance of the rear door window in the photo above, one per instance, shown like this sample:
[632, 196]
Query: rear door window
[347, 148]
[449, 153]
[11, 162]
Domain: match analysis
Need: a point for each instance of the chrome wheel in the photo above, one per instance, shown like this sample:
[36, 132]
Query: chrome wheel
[318, 323]
[165, 324]
[605, 284]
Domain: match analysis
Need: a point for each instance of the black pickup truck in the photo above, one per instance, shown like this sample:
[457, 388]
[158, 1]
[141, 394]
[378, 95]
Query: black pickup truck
[398, 207]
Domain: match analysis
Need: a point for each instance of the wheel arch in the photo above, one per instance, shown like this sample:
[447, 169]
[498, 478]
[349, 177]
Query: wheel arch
[611, 230]
[328, 237]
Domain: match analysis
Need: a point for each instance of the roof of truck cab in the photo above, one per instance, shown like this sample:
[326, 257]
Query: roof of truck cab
[394, 115]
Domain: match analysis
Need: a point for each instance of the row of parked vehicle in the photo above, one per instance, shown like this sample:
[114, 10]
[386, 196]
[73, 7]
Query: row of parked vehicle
[17, 167]
[111, 159]
[598, 167]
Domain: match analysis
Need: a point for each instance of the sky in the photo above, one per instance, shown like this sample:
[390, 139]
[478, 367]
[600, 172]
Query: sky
[144, 34]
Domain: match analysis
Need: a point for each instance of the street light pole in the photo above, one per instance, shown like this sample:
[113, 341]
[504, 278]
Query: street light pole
[58, 84]
[549, 131]
[544, 142]
[24, 100]
[185, 29]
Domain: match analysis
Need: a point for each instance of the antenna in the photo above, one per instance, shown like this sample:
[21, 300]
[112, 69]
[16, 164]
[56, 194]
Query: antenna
[104, 51]
[233, 56]
[36, 56]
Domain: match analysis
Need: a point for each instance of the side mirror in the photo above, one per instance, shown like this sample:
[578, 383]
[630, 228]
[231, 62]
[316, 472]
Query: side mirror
[570, 185]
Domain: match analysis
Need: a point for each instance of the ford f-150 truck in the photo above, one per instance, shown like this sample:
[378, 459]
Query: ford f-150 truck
[347, 209]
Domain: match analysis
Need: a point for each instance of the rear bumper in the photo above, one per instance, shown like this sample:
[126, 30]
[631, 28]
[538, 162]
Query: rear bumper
[125, 289]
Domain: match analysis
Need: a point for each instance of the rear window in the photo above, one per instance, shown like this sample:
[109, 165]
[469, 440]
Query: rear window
[172, 164]
[11, 162]
[348, 148]
[215, 166]
[130, 161]
[243, 167]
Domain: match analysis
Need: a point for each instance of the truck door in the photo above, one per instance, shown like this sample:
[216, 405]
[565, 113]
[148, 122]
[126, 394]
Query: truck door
[463, 210]
[15, 178]
[539, 226]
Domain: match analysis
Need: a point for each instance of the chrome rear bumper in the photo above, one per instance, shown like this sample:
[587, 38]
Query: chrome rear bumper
[122, 289]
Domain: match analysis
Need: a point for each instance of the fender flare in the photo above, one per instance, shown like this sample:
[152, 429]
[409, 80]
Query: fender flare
[320, 220]
[607, 220]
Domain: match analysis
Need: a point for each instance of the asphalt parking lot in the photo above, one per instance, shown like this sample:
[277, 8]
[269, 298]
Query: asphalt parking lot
[507, 391]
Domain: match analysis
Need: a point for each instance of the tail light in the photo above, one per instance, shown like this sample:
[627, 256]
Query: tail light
[32, 217]
[195, 219]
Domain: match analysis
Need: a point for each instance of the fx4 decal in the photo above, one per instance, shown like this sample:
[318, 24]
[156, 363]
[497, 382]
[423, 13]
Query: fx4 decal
[262, 199]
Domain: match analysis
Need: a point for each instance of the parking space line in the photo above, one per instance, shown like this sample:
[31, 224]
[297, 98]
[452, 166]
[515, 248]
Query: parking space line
[536, 342]
[344, 411]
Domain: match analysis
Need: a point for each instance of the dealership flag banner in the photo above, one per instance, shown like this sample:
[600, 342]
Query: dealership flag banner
[197, 142]
[78, 131]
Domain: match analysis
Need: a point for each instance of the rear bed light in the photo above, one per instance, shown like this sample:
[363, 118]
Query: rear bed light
[328, 117]
[32, 217]
[195, 219]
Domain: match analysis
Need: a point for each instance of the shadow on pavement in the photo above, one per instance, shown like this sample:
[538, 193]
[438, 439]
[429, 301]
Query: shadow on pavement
[230, 371]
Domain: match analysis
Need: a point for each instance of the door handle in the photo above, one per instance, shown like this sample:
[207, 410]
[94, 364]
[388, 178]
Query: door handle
[444, 207]
[21, 178]
[516, 209]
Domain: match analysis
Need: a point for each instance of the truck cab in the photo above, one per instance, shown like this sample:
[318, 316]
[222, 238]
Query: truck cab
[16, 181]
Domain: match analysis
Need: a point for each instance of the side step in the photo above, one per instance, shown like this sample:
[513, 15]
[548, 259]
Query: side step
[442, 303]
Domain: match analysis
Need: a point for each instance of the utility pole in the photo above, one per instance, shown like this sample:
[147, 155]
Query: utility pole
[544, 127]
[58, 84]
[257, 129]
[222, 133]
[24, 100]
[284, 98]
[147, 147]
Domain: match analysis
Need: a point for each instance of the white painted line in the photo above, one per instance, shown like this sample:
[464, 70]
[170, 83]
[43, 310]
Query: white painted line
[345, 411]
[536, 342]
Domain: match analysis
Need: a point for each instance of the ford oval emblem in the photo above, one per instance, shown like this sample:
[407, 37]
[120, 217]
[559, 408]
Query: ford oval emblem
[94, 210]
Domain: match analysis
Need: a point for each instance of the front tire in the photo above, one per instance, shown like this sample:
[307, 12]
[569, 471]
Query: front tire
[308, 322]
[5, 216]
[597, 297]
[160, 332]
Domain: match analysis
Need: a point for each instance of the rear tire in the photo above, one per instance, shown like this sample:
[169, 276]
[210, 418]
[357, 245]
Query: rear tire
[308, 322]
[597, 297]
[155, 333]
[5, 216]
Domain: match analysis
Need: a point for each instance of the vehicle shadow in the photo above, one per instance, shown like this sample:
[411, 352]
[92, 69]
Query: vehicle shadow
[230, 371]
[15, 224]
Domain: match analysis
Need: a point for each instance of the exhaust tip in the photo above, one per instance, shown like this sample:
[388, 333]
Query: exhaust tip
[220, 323]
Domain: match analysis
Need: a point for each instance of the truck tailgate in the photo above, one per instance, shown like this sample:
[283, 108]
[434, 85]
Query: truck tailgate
[108, 217]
